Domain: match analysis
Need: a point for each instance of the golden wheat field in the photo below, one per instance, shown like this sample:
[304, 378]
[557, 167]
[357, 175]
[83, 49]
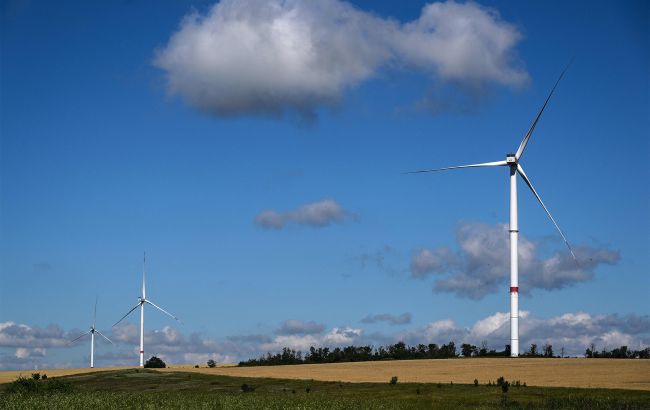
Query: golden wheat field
[605, 373]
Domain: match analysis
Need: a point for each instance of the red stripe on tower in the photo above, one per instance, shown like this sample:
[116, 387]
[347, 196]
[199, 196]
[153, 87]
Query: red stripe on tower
[141, 351]
[514, 289]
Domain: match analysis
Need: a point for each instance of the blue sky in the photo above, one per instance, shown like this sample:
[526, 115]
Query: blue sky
[101, 158]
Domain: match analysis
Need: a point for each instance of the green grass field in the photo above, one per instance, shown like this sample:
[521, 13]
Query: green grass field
[142, 389]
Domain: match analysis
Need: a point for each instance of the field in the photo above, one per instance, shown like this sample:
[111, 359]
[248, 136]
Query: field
[601, 373]
[148, 389]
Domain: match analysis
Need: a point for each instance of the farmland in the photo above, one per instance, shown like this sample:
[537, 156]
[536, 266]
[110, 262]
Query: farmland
[601, 373]
[148, 389]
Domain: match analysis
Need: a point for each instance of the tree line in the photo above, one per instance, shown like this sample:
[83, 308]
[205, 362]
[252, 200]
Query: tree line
[402, 351]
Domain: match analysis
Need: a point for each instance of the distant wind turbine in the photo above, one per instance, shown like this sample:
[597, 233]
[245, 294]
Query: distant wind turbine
[92, 332]
[512, 161]
[141, 302]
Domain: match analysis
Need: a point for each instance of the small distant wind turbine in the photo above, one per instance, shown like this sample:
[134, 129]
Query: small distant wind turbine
[512, 161]
[92, 332]
[141, 302]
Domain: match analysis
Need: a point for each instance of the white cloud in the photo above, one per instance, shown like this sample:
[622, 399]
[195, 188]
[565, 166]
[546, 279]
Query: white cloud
[316, 214]
[274, 56]
[482, 264]
[574, 331]
[21, 335]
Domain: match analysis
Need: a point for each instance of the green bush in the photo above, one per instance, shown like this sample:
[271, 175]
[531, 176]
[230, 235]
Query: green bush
[475, 382]
[155, 363]
[212, 363]
[247, 388]
[33, 385]
[393, 380]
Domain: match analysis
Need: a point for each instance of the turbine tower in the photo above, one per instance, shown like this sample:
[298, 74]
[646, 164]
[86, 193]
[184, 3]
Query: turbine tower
[92, 332]
[512, 162]
[141, 302]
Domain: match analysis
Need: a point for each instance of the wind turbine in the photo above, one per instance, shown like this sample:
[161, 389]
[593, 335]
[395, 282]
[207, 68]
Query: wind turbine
[92, 332]
[512, 162]
[141, 302]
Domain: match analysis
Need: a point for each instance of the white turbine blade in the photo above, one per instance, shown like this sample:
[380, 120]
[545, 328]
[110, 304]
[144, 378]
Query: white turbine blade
[485, 164]
[144, 263]
[530, 185]
[127, 313]
[524, 142]
[95, 312]
[109, 340]
[162, 310]
[72, 341]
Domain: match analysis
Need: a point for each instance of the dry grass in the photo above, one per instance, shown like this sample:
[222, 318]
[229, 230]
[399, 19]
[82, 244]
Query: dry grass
[605, 373]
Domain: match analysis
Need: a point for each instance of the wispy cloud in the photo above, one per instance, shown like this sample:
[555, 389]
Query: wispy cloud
[403, 319]
[481, 266]
[316, 214]
[272, 57]
[293, 327]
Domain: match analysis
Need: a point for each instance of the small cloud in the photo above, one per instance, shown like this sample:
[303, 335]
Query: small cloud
[42, 266]
[294, 327]
[316, 214]
[402, 319]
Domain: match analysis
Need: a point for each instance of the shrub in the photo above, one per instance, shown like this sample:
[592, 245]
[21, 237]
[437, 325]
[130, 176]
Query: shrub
[36, 376]
[196, 366]
[475, 382]
[26, 385]
[155, 363]
[44, 377]
[393, 380]
[212, 363]
[247, 389]
[307, 389]
[500, 381]
[504, 387]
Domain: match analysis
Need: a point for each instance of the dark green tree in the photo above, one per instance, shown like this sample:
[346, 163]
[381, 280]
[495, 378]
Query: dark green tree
[155, 363]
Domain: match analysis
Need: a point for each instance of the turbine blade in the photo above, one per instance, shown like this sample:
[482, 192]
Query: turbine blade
[162, 310]
[144, 263]
[74, 340]
[127, 313]
[485, 164]
[530, 185]
[524, 142]
[100, 333]
[95, 312]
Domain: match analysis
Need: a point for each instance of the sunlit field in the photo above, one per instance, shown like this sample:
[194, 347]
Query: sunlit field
[602, 373]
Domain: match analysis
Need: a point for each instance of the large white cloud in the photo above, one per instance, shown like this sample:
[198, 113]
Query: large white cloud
[482, 264]
[273, 56]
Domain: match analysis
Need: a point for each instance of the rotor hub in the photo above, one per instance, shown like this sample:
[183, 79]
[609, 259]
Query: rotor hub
[511, 159]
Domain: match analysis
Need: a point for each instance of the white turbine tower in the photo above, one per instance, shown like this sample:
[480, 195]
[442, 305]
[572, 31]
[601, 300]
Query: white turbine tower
[92, 332]
[512, 162]
[141, 302]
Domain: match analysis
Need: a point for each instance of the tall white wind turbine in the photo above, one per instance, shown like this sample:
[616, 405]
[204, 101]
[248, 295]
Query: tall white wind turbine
[142, 300]
[512, 162]
[92, 332]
